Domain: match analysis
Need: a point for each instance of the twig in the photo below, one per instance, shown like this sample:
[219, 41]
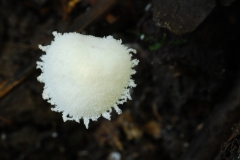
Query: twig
[89, 17]
[5, 120]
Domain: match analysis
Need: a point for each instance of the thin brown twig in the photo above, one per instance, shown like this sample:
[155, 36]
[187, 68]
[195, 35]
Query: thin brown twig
[89, 17]
[5, 120]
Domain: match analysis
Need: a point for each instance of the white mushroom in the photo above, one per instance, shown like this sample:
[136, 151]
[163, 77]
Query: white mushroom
[86, 76]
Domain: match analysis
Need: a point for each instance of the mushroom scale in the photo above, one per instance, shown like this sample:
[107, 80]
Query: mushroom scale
[85, 76]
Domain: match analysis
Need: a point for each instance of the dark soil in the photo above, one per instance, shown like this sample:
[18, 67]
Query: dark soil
[183, 81]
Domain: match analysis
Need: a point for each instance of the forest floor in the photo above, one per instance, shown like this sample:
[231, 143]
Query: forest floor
[186, 101]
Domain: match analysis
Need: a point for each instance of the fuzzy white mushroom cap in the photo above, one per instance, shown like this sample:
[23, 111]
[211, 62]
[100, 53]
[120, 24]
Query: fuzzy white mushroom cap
[86, 76]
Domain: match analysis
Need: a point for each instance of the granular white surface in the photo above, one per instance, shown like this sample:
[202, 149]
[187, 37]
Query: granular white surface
[85, 76]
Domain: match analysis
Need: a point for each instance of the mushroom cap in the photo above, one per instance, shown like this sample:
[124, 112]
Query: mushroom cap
[85, 76]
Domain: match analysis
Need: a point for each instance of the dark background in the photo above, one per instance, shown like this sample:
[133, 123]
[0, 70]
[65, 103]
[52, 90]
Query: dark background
[187, 101]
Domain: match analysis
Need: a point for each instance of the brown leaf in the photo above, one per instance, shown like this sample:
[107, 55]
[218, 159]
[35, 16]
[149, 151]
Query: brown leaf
[130, 127]
[153, 128]
[108, 133]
